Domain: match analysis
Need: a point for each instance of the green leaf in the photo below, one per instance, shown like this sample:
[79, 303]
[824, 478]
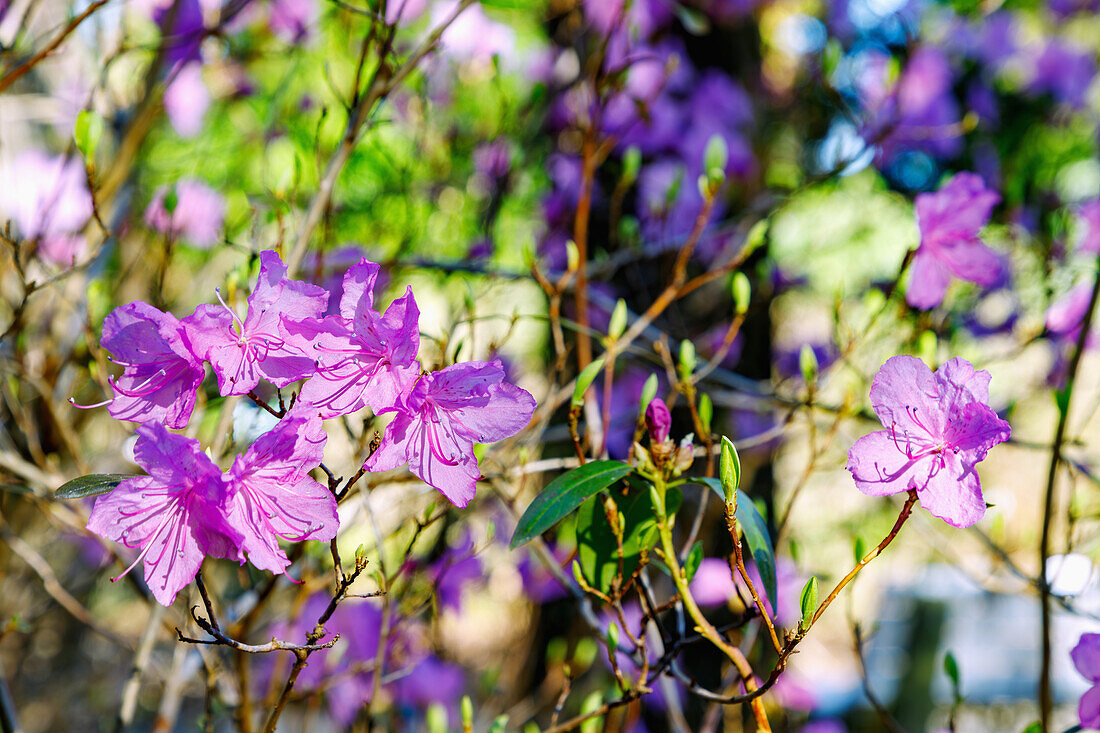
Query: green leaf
[649, 392]
[617, 324]
[729, 470]
[706, 411]
[694, 559]
[90, 485]
[1035, 727]
[808, 602]
[951, 668]
[756, 534]
[563, 495]
[584, 381]
[597, 548]
[859, 549]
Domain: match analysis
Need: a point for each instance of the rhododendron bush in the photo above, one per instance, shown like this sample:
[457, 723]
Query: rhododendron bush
[596, 365]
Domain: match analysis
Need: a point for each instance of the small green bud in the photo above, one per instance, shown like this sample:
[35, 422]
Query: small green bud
[584, 381]
[859, 549]
[632, 163]
[808, 602]
[591, 704]
[807, 363]
[500, 724]
[729, 470]
[612, 637]
[467, 713]
[618, 320]
[756, 237]
[716, 155]
[706, 411]
[572, 256]
[435, 720]
[649, 391]
[951, 669]
[742, 293]
[171, 200]
[687, 358]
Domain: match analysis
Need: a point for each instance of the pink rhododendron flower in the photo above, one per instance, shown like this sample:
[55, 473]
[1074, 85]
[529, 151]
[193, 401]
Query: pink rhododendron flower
[440, 420]
[949, 221]
[186, 100]
[241, 352]
[273, 496]
[363, 358]
[176, 514]
[939, 426]
[1086, 658]
[197, 216]
[161, 375]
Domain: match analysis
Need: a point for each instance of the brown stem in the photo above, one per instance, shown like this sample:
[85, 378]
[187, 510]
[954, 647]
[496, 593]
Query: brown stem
[1046, 700]
[15, 74]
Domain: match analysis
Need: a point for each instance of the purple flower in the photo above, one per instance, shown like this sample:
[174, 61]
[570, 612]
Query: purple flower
[197, 216]
[949, 222]
[441, 419]
[1065, 72]
[938, 428]
[405, 11]
[241, 352]
[1086, 658]
[161, 375]
[1065, 315]
[658, 420]
[183, 40]
[292, 20]
[1088, 231]
[493, 160]
[456, 569]
[273, 496]
[176, 514]
[51, 203]
[431, 681]
[186, 100]
[363, 358]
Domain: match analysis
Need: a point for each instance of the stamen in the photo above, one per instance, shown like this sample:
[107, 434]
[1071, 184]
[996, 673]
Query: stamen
[236, 318]
[90, 407]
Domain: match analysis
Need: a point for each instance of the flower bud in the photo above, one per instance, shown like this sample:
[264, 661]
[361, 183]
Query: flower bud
[658, 420]
[684, 456]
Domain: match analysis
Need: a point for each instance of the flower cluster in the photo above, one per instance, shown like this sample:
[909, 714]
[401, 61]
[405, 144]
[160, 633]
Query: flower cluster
[186, 508]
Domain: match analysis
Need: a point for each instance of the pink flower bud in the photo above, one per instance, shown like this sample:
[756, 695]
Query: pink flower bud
[658, 420]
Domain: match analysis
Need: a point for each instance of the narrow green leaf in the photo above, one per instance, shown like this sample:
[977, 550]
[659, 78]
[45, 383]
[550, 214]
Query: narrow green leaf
[706, 411]
[951, 668]
[90, 485]
[649, 391]
[755, 530]
[584, 381]
[563, 495]
[859, 549]
[693, 560]
[808, 602]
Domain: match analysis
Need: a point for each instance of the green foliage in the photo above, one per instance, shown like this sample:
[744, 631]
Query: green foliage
[597, 546]
[808, 602]
[90, 485]
[563, 495]
[584, 381]
[755, 531]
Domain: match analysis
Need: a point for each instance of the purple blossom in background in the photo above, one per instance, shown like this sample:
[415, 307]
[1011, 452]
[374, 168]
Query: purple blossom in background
[457, 568]
[473, 36]
[405, 11]
[1086, 658]
[176, 514]
[362, 358]
[493, 160]
[292, 21]
[183, 40]
[273, 496]
[186, 100]
[1065, 315]
[938, 428]
[197, 217]
[539, 583]
[448, 411]
[1065, 72]
[241, 352]
[713, 583]
[431, 681]
[1088, 227]
[161, 374]
[950, 221]
[50, 204]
